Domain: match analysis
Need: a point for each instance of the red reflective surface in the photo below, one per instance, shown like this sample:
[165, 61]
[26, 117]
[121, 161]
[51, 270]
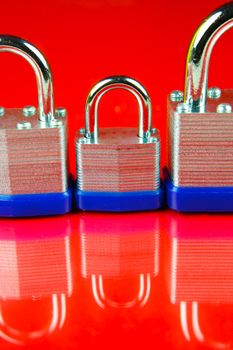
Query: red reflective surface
[147, 280]
[152, 281]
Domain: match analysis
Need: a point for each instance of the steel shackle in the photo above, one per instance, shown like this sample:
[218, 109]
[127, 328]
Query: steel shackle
[206, 36]
[41, 68]
[118, 82]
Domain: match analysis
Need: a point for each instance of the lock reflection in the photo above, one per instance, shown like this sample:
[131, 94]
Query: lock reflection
[35, 277]
[200, 276]
[120, 257]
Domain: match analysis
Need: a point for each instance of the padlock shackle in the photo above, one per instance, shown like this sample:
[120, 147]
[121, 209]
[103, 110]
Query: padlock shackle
[41, 68]
[118, 82]
[206, 36]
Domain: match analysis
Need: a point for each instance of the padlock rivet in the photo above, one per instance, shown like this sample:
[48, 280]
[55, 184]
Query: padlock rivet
[56, 123]
[29, 111]
[60, 112]
[24, 125]
[182, 108]
[2, 111]
[153, 130]
[82, 131]
[81, 141]
[224, 108]
[176, 96]
[214, 93]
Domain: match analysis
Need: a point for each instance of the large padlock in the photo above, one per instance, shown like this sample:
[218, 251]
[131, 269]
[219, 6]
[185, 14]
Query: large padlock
[200, 171]
[33, 146]
[118, 169]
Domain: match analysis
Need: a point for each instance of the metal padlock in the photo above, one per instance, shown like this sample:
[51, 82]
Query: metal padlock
[118, 169]
[200, 171]
[33, 146]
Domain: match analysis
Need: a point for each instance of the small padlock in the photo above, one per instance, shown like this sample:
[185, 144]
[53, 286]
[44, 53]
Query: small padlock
[118, 169]
[33, 146]
[200, 162]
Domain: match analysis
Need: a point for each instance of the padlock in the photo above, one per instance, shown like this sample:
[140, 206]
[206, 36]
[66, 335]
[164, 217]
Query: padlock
[33, 146]
[200, 172]
[118, 169]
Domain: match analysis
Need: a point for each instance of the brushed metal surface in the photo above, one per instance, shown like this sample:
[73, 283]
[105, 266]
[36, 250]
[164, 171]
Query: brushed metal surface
[119, 162]
[201, 145]
[32, 160]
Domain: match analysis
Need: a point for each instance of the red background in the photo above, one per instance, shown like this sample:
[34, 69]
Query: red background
[87, 40]
[84, 41]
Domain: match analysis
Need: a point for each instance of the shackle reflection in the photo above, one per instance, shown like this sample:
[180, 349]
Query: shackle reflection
[119, 247]
[35, 267]
[200, 273]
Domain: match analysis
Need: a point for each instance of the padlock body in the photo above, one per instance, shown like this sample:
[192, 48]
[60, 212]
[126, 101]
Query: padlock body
[33, 166]
[119, 162]
[32, 160]
[200, 158]
[118, 167]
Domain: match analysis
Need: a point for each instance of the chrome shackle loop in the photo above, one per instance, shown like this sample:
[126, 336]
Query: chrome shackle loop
[118, 82]
[206, 36]
[41, 68]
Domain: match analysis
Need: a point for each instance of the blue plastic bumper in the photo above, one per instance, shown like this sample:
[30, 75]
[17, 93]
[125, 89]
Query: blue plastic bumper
[198, 199]
[120, 201]
[45, 204]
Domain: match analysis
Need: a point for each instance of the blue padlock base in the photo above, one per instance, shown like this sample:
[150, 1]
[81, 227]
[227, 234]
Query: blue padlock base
[45, 204]
[120, 201]
[198, 199]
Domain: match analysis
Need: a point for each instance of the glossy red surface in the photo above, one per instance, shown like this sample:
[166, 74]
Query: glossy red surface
[152, 281]
[117, 281]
